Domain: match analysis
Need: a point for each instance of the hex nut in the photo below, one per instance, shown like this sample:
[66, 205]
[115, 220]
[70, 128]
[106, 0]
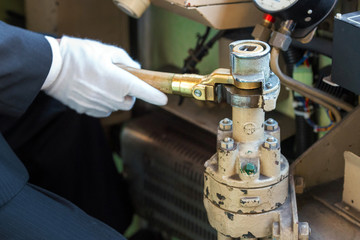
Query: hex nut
[280, 40]
[261, 33]
[227, 144]
[271, 125]
[271, 143]
[226, 124]
[304, 230]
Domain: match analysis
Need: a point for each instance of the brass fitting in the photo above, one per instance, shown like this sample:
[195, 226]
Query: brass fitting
[200, 87]
[249, 71]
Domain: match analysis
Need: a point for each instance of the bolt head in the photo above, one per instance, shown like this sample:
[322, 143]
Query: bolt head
[197, 93]
[271, 125]
[304, 229]
[226, 124]
[269, 85]
[227, 144]
[271, 143]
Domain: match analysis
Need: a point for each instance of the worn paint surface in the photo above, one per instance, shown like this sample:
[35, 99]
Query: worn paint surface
[250, 200]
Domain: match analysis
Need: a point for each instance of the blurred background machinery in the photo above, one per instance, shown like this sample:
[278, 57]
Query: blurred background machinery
[306, 61]
[218, 14]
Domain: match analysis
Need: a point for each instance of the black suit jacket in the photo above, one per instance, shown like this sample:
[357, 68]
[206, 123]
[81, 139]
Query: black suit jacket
[27, 211]
[25, 60]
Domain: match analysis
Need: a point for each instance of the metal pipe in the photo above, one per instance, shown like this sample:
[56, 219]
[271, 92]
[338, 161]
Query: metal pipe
[315, 95]
[248, 124]
[319, 45]
[312, 93]
[298, 86]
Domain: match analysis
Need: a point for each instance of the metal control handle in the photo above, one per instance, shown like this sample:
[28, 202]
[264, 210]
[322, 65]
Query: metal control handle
[200, 87]
[250, 70]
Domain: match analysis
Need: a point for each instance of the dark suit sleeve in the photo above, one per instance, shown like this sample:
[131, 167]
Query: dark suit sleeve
[25, 60]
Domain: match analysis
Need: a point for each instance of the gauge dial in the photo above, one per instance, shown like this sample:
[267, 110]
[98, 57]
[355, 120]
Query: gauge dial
[274, 5]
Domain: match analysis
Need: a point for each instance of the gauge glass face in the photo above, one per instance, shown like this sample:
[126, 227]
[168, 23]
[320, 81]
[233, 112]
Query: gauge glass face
[274, 5]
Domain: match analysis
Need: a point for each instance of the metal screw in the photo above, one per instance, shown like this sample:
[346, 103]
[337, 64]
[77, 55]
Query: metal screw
[227, 143]
[271, 125]
[269, 85]
[197, 93]
[225, 124]
[250, 169]
[271, 143]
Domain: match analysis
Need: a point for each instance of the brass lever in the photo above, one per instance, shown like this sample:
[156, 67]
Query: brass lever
[200, 87]
[249, 64]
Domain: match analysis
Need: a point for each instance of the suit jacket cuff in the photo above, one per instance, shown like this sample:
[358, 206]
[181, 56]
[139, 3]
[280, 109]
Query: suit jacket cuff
[56, 63]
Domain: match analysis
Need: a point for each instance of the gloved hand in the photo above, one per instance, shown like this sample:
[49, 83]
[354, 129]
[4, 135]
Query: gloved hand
[83, 76]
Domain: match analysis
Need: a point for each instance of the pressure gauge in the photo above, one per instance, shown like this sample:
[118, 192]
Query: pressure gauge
[307, 14]
[272, 6]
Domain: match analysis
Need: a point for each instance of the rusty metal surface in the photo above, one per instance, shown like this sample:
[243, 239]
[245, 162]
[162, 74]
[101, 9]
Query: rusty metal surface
[283, 222]
[324, 162]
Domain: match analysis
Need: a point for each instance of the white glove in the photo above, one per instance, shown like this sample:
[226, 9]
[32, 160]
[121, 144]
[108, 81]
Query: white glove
[83, 76]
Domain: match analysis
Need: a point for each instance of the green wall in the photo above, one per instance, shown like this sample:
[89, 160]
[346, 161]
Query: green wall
[172, 37]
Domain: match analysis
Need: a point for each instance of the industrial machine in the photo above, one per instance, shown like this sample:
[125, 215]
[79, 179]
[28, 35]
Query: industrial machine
[248, 187]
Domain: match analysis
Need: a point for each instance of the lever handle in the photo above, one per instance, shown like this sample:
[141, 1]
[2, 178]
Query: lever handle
[200, 87]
